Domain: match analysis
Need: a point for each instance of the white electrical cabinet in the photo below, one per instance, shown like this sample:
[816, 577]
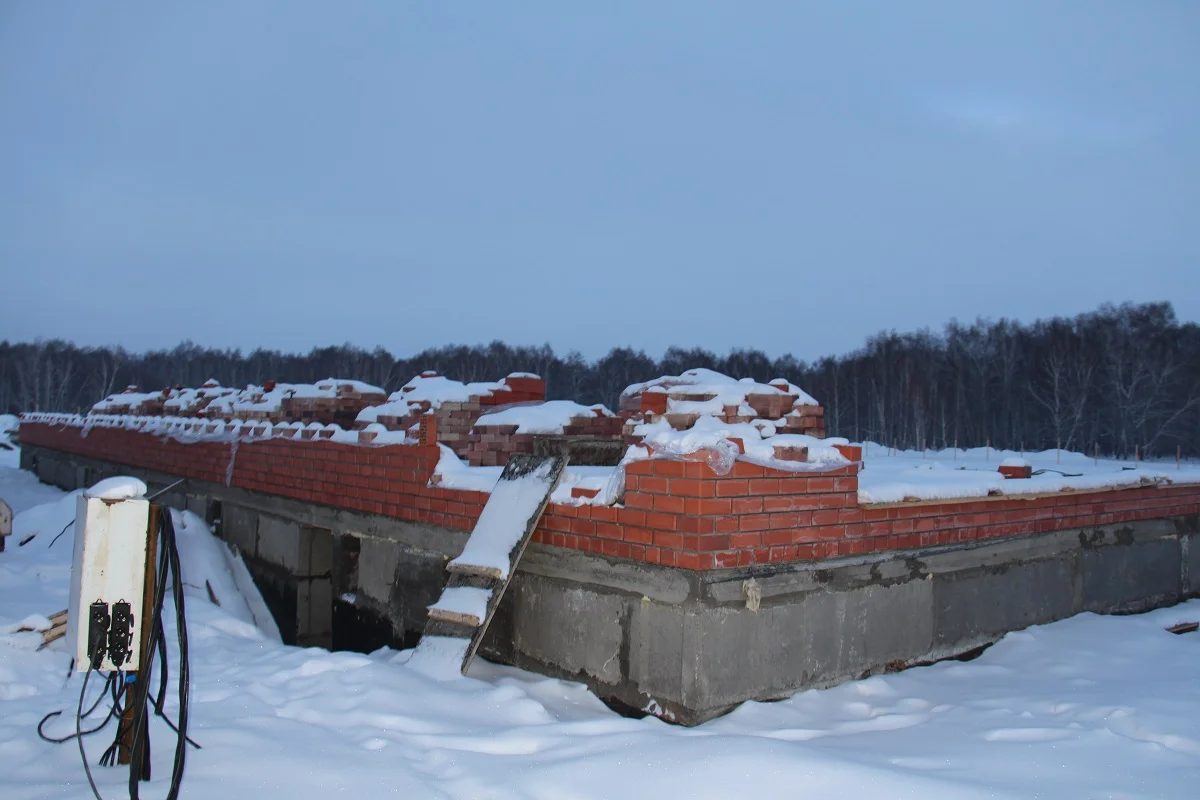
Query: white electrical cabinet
[108, 575]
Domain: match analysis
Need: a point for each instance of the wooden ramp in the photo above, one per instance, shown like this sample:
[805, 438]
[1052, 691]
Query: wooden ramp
[481, 574]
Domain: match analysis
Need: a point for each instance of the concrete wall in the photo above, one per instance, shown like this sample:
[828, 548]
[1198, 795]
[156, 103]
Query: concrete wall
[687, 645]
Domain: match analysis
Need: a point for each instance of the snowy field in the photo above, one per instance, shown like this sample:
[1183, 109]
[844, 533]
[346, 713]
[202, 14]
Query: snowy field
[1085, 708]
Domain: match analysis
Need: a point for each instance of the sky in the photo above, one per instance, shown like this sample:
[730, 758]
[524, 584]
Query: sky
[788, 176]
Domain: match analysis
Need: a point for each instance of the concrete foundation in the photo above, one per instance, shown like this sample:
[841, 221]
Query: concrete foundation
[686, 645]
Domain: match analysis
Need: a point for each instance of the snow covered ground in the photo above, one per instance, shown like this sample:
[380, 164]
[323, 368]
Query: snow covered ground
[891, 476]
[1088, 707]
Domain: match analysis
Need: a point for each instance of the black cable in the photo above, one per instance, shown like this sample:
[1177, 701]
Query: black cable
[60, 533]
[79, 725]
[140, 758]
[113, 709]
[141, 689]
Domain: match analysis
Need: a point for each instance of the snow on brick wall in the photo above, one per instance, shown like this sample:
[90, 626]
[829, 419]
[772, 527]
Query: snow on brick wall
[674, 513]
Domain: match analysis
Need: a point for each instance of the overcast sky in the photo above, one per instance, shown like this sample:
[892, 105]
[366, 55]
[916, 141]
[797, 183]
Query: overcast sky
[791, 176]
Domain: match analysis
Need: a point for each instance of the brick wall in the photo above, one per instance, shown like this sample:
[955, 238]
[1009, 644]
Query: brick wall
[456, 418]
[491, 445]
[675, 513]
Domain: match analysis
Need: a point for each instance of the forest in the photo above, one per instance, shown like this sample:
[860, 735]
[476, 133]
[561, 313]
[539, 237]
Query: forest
[1118, 380]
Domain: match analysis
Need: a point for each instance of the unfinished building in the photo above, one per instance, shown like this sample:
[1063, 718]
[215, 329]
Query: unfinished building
[704, 545]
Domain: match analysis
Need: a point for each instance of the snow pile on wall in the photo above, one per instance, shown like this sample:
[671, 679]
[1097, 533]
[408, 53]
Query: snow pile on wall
[188, 402]
[698, 410]
[546, 418]
[330, 399]
[132, 401]
[685, 391]
[426, 392]
[758, 442]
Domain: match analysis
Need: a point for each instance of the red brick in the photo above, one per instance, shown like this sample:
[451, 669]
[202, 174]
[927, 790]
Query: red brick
[764, 486]
[772, 538]
[668, 503]
[793, 485]
[747, 505]
[687, 524]
[745, 540]
[733, 488]
[629, 534]
[833, 500]
[660, 521]
[790, 519]
[825, 517]
[652, 483]
[690, 487]
[725, 559]
[754, 522]
[668, 469]
[668, 539]
[707, 506]
[711, 543]
[727, 524]
[639, 500]
[797, 502]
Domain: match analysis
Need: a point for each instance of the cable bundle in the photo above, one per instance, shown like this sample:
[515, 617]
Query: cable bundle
[139, 766]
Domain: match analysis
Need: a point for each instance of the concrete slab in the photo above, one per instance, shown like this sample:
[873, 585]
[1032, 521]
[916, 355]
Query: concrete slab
[239, 527]
[1132, 577]
[279, 542]
[981, 604]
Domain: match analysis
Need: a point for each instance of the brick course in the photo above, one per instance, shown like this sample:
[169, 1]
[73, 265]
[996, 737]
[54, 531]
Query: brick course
[675, 513]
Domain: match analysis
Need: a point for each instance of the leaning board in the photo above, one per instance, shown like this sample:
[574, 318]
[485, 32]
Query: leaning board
[479, 576]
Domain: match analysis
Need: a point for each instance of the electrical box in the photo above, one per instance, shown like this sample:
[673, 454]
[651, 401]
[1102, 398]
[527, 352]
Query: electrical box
[108, 579]
[6, 516]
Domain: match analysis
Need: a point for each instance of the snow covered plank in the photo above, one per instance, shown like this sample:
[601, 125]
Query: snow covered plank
[481, 574]
[510, 516]
[466, 605]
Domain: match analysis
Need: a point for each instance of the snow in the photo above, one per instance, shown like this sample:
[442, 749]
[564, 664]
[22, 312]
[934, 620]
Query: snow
[117, 488]
[468, 600]
[452, 472]
[1087, 707]
[726, 391]
[758, 439]
[591, 478]
[896, 476]
[125, 400]
[257, 399]
[208, 567]
[504, 519]
[437, 657]
[184, 401]
[548, 418]
[10, 456]
[429, 391]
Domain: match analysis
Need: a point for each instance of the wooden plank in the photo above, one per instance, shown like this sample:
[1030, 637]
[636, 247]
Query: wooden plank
[474, 570]
[518, 466]
[512, 497]
[469, 620]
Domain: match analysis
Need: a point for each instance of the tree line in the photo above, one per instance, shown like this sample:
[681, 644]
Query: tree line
[1120, 378]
